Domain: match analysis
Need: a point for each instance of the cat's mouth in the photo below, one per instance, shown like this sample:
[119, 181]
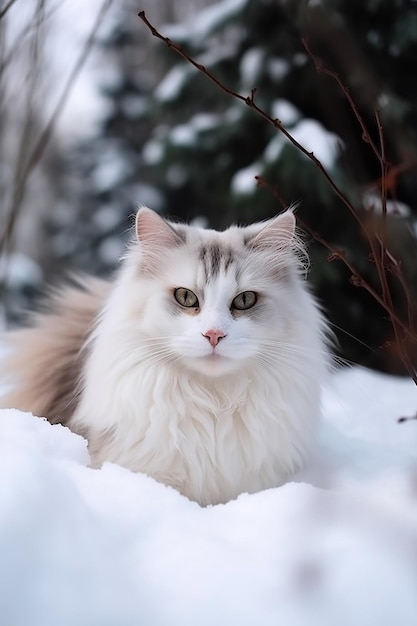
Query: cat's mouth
[214, 356]
[213, 364]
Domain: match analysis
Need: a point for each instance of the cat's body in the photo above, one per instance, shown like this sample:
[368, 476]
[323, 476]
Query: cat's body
[200, 365]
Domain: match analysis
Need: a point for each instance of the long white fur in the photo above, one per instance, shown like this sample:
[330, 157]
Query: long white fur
[155, 399]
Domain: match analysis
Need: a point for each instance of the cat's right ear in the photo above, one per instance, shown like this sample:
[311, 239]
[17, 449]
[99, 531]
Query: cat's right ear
[153, 232]
[276, 232]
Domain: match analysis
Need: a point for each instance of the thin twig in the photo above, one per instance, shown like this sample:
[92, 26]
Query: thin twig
[46, 133]
[384, 172]
[322, 69]
[27, 127]
[6, 8]
[384, 255]
[392, 175]
[21, 36]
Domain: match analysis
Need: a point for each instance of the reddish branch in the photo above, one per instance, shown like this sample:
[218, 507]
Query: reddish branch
[383, 259]
[381, 256]
[337, 254]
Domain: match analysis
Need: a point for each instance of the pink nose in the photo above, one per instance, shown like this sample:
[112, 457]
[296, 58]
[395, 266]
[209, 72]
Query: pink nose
[214, 336]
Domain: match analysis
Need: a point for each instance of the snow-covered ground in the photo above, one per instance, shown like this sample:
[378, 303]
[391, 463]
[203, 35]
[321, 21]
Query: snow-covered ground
[110, 548]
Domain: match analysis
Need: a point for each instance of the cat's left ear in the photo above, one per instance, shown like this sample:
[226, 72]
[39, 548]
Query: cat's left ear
[279, 231]
[153, 232]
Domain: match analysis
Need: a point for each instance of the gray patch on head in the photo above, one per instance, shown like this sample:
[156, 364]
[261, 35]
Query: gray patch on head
[277, 263]
[215, 259]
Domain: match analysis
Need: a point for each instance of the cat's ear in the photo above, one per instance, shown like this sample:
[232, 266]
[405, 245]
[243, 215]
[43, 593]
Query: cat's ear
[153, 232]
[155, 237]
[277, 232]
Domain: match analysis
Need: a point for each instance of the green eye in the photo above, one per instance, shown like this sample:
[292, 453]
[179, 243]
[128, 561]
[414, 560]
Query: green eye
[244, 300]
[186, 297]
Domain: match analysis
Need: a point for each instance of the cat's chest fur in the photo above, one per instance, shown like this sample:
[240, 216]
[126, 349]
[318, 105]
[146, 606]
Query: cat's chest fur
[211, 442]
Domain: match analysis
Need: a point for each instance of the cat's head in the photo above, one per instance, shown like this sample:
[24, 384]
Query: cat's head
[214, 301]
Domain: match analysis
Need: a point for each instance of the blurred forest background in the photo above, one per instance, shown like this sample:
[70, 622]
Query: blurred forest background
[165, 136]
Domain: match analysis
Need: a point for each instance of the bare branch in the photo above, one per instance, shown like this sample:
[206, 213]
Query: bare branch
[32, 25]
[45, 135]
[322, 69]
[6, 8]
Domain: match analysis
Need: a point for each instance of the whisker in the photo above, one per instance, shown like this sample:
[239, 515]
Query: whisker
[268, 362]
[348, 334]
[292, 350]
[277, 347]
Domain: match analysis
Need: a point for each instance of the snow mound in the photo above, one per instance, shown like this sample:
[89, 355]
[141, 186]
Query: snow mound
[108, 547]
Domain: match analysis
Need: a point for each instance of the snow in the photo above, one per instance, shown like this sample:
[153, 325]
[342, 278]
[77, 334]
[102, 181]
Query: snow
[315, 138]
[207, 21]
[144, 194]
[105, 218]
[278, 68]
[285, 112]
[274, 148]
[108, 174]
[153, 152]
[215, 15]
[250, 66]
[222, 51]
[172, 84]
[244, 182]
[299, 59]
[176, 175]
[187, 134]
[104, 547]
[373, 202]
[110, 249]
[309, 133]
[111, 170]
[183, 135]
[19, 269]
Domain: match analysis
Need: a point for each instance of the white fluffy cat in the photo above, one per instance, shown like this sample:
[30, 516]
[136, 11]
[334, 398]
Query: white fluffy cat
[200, 364]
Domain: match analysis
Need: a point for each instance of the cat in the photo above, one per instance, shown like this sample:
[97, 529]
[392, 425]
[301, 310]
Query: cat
[199, 364]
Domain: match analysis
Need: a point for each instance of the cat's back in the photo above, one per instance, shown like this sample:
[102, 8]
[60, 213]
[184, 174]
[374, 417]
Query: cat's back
[44, 361]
